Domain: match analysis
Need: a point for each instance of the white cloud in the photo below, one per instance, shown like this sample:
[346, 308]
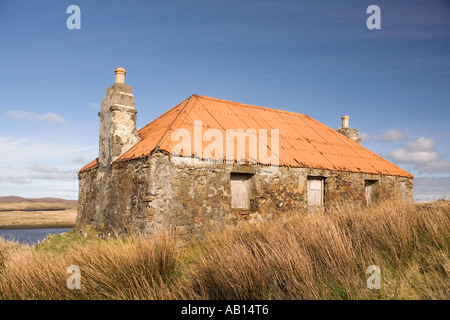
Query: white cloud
[79, 159]
[34, 117]
[422, 154]
[406, 156]
[52, 173]
[421, 144]
[40, 167]
[40, 171]
[23, 161]
[16, 179]
[365, 137]
[25, 150]
[392, 135]
[436, 166]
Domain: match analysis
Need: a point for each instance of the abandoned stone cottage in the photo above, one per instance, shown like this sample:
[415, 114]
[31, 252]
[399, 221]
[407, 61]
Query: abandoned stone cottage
[209, 162]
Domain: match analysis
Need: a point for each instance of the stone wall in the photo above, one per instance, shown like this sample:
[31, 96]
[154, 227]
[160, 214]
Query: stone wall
[188, 198]
[114, 200]
[153, 193]
[350, 133]
[117, 124]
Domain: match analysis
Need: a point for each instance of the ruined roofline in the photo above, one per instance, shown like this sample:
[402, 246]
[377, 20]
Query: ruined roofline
[94, 163]
[304, 141]
[211, 162]
[250, 106]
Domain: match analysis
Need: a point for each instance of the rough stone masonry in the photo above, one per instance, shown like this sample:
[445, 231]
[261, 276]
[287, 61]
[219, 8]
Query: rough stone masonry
[151, 192]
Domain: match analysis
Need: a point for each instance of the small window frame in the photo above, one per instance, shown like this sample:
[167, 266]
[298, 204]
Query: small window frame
[371, 191]
[241, 191]
[309, 181]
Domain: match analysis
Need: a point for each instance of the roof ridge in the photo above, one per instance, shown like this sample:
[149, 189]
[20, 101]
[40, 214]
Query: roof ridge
[320, 124]
[306, 142]
[251, 105]
[162, 115]
[359, 146]
[188, 100]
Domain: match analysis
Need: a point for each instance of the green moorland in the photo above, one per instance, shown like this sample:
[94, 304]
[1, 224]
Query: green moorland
[320, 256]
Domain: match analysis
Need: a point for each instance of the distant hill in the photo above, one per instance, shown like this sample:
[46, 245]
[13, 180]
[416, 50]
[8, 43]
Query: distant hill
[15, 199]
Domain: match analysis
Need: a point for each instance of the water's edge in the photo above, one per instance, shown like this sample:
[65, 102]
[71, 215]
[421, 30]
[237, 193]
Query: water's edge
[30, 236]
[41, 226]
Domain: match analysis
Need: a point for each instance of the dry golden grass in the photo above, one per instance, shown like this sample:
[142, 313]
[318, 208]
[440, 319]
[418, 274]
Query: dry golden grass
[326, 256]
[37, 219]
[323, 256]
[35, 206]
[129, 268]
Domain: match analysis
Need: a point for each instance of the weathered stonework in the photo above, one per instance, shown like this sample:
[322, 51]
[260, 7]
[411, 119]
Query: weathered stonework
[117, 124]
[153, 193]
[350, 133]
[115, 201]
[109, 196]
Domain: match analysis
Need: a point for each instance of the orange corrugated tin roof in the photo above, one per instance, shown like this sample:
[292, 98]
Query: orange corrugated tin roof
[303, 141]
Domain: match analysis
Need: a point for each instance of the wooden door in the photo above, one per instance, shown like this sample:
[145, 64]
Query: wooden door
[371, 191]
[239, 192]
[315, 193]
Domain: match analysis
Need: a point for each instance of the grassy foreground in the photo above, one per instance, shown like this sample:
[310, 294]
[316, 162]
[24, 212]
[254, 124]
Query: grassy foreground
[296, 257]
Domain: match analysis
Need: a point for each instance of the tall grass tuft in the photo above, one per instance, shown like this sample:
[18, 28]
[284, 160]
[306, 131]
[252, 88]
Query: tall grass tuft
[318, 256]
[124, 268]
[3, 253]
[325, 256]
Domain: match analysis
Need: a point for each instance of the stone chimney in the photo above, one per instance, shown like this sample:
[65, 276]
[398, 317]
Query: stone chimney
[117, 122]
[350, 133]
[345, 121]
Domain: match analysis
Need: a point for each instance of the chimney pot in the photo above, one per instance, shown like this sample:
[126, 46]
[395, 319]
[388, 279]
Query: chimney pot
[120, 75]
[345, 121]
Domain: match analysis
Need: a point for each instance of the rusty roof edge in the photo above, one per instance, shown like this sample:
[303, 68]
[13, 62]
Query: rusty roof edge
[312, 144]
[343, 138]
[123, 157]
[188, 104]
[188, 100]
[165, 113]
[300, 114]
[88, 168]
[307, 140]
[267, 142]
[411, 176]
[250, 105]
[286, 166]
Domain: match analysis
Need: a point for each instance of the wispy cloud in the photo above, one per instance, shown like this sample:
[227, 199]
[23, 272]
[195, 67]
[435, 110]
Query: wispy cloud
[422, 154]
[24, 161]
[26, 150]
[79, 159]
[392, 135]
[16, 179]
[366, 137]
[34, 117]
[40, 171]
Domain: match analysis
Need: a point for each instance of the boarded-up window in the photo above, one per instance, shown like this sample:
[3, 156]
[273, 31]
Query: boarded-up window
[315, 193]
[371, 191]
[240, 190]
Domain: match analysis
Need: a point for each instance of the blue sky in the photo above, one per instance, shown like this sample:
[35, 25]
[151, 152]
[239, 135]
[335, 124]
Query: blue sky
[313, 57]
